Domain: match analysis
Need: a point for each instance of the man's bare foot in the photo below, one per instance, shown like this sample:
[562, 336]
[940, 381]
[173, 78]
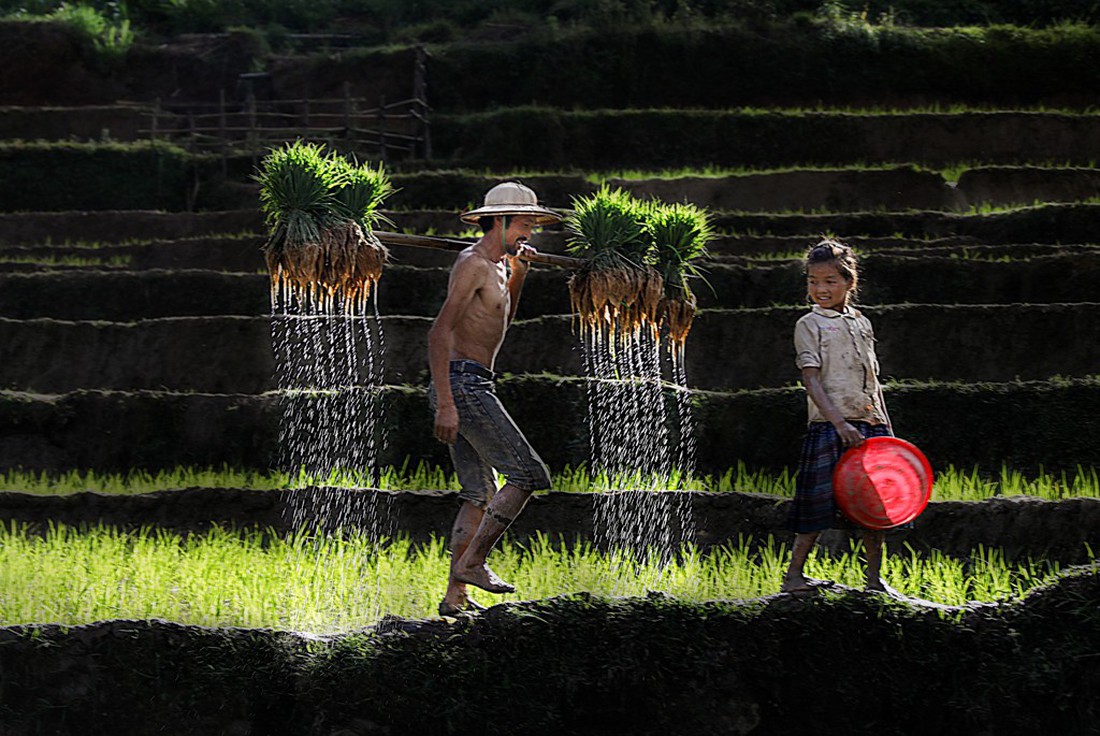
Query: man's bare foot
[482, 577]
[448, 608]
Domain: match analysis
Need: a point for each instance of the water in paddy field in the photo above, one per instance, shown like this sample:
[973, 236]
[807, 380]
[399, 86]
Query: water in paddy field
[329, 363]
[642, 438]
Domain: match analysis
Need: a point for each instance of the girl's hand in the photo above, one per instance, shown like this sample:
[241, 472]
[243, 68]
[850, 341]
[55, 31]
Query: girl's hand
[849, 435]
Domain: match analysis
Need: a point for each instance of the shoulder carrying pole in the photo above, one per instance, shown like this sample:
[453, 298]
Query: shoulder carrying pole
[426, 241]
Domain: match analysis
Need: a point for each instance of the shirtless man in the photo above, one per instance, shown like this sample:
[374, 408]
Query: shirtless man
[482, 296]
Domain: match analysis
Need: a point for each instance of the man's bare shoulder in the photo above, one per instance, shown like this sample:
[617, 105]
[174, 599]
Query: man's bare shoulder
[471, 265]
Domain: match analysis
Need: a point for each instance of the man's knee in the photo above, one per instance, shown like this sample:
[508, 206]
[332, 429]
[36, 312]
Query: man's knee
[536, 477]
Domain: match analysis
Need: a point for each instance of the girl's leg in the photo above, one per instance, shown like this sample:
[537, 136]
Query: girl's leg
[794, 580]
[872, 551]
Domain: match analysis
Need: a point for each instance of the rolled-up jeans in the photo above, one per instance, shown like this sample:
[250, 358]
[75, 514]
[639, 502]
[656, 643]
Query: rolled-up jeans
[488, 440]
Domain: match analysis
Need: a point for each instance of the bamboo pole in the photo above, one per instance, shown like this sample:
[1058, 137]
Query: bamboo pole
[427, 241]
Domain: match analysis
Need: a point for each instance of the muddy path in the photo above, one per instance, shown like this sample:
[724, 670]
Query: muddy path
[582, 664]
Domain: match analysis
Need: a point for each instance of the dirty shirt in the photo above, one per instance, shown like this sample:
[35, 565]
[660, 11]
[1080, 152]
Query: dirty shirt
[842, 346]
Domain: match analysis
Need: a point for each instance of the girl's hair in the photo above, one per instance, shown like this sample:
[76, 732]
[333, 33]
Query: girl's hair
[840, 255]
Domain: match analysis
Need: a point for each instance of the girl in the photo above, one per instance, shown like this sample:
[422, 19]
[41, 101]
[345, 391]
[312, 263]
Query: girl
[836, 353]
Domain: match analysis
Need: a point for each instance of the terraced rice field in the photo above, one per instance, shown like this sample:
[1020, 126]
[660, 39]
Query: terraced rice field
[139, 355]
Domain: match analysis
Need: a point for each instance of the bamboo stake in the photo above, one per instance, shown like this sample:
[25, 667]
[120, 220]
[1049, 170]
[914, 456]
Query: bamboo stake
[427, 241]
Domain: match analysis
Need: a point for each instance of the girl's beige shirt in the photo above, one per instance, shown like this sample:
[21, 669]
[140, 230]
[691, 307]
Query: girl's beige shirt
[842, 346]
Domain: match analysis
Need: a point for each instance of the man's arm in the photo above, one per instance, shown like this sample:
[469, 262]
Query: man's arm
[463, 285]
[519, 269]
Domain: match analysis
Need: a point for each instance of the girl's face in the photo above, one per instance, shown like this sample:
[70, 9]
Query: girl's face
[826, 286]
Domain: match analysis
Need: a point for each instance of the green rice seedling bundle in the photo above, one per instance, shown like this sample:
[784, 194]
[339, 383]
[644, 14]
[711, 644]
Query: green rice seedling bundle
[320, 210]
[618, 291]
[680, 233]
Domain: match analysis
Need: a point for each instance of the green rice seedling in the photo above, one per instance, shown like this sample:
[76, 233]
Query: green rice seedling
[617, 291]
[326, 584]
[953, 484]
[359, 191]
[950, 484]
[680, 233]
[319, 209]
[68, 261]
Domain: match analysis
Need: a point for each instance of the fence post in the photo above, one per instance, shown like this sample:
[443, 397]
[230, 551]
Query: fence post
[223, 136]
[153, 122]
[420, 95]
[347, 113]
[253, 138]
[305, 118]
[382, 128]
[194, 136]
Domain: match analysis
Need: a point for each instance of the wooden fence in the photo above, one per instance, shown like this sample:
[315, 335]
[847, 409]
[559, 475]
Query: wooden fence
[390, 130]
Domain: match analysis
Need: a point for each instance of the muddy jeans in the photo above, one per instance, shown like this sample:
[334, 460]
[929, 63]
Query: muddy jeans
[488, 439]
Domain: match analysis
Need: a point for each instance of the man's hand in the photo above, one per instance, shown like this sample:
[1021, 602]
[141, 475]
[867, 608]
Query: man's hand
[517, 261]
[446, 424]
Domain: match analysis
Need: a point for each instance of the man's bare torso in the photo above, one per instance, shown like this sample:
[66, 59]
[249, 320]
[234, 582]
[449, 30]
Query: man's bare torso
[480, 330]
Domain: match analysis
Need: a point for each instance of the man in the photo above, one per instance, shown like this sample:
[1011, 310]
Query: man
[482, 296]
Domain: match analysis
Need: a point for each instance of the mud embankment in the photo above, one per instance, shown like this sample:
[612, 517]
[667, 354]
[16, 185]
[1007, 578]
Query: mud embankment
[977, 275]
[728, 349]
[113, 431]
[582, 664]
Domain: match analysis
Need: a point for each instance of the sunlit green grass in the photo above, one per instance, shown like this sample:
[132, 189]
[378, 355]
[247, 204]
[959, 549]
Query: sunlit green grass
[225, 578]
[66, 260]
[951, 484]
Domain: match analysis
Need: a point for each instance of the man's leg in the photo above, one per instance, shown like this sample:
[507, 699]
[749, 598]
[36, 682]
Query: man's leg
[478, 481]
[499, 514]
[465, 526]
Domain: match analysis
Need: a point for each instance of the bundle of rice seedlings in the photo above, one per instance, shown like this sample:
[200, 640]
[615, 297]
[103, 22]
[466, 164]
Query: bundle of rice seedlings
[320, 209]
[618, 289]
[680, 233]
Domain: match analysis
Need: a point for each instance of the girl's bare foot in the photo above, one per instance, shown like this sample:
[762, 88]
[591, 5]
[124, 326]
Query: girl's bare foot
[796, 583]
[878, 585]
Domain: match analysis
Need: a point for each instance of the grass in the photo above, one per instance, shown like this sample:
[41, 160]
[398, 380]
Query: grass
[951, 484]
[324, 585]
[68, 260]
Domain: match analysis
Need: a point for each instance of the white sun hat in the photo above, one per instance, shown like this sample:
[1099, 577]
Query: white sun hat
[511, 198]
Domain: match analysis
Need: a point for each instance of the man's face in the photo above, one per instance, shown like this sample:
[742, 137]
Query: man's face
[519, 229]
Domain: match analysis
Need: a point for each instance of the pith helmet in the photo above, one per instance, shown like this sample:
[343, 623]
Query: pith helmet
[511, 198]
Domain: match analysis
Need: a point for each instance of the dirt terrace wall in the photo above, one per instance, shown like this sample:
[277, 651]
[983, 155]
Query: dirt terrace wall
[1019, 527]
[727, 349]
[51, 64]
[581, 664]
[114, 226]
[1048, 224]
[1025, 425]
[844, 190]
[651, 139]
[982, 275]
[1059, 223]
[894, 188]
[87, 122]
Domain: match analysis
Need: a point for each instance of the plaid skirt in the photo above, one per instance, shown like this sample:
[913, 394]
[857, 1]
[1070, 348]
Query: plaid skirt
[813, 508]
